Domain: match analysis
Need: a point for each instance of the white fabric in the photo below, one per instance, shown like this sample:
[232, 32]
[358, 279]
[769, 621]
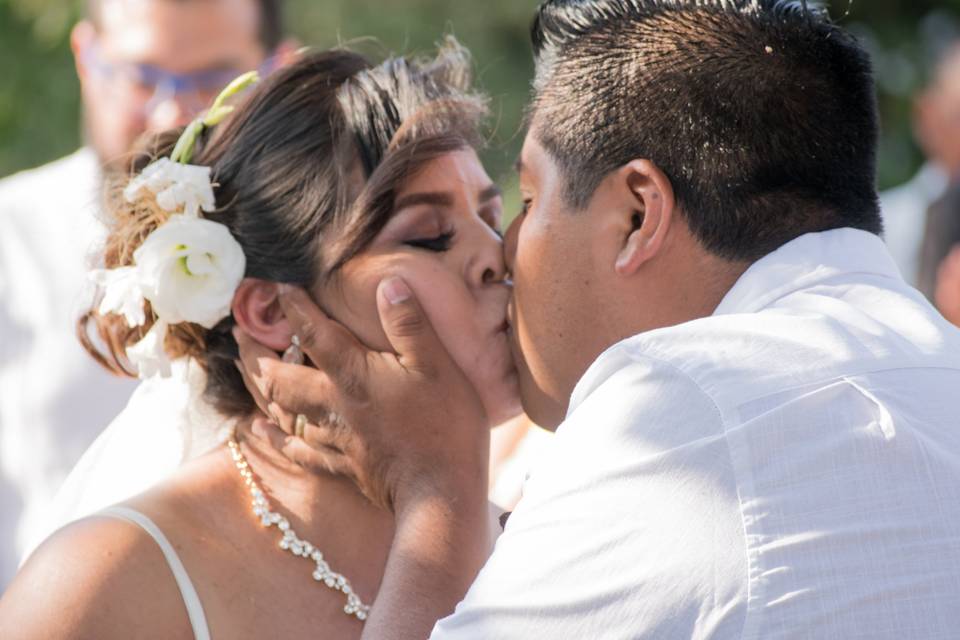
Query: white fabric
[166, 423]
[55, 399]
[198, 621]
[905, 217]
[787, 468]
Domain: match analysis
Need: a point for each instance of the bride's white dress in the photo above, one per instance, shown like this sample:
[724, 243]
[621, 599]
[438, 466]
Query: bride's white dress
[198, 621]
[165, 424]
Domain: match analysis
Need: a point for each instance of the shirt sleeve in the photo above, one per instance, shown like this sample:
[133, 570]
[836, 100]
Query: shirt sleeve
[629, 527]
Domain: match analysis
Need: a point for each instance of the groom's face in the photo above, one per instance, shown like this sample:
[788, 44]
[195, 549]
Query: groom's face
[557, 261]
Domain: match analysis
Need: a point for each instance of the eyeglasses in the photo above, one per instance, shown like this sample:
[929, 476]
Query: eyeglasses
[149, 86]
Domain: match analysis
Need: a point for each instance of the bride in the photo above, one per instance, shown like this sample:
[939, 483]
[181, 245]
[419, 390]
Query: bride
[330, 175]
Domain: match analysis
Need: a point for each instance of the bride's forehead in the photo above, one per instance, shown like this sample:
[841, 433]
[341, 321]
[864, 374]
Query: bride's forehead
[456, 171]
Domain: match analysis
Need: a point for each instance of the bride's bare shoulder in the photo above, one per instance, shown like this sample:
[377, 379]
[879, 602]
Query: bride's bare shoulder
[100, 577]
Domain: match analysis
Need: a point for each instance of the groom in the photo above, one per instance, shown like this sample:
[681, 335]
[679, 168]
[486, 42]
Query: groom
[758, 421]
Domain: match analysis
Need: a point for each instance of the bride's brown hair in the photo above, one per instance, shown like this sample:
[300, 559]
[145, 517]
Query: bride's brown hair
[305, 172]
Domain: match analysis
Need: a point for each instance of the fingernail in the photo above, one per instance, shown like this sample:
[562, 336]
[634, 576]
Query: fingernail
[283, 288]
[396, 290]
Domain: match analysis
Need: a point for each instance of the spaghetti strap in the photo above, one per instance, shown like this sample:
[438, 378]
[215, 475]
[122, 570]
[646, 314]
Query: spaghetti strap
[190, 598]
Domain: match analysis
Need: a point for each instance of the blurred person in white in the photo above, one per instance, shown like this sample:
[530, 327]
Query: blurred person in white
[936, 123]
[936, 277]
[143, 65]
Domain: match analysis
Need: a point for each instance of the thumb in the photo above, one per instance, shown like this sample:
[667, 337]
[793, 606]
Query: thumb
[407, 327]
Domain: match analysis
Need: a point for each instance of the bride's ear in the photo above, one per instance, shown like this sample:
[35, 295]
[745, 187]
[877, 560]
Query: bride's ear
[256, 308]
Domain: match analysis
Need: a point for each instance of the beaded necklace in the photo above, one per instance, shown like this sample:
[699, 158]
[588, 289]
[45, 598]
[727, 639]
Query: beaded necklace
[294, 544]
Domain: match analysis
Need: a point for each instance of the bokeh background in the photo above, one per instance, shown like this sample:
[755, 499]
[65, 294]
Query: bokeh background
[39, 93]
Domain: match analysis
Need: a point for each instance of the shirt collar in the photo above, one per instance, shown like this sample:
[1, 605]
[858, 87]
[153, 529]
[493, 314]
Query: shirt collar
[805, 262]
[799, 264]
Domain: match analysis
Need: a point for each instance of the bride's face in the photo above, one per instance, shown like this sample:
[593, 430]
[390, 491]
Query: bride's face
[444, 241]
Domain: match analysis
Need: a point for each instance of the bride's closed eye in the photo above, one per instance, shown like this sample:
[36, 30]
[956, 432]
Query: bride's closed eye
[437, 244]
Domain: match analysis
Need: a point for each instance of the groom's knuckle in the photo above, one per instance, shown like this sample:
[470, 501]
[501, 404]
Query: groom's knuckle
[408, 323]
[353, 387]
[270, 385]
[309, 334]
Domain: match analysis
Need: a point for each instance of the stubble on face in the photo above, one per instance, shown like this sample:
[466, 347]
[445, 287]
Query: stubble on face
[554, 310]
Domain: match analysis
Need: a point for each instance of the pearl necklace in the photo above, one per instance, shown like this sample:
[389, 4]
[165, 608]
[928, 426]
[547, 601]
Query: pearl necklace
[290, 542]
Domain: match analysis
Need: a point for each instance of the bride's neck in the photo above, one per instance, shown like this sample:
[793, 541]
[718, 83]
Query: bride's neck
[315, 499]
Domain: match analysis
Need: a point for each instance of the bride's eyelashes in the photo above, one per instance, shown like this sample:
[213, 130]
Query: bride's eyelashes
[437, 244]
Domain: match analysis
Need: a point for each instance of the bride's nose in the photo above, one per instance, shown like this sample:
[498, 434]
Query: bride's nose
[487, 263]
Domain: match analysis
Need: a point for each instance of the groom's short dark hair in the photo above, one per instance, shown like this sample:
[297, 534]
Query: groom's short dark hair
[762, 113]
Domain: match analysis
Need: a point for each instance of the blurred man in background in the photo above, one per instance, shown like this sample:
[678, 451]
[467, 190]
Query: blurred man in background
[143, 65]
[936, 121]
[946, 295]
[940, 105]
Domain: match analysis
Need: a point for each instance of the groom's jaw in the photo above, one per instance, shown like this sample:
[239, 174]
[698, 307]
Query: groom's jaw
[555, 329]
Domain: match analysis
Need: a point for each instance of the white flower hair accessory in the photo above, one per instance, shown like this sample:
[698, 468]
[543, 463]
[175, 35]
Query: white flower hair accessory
[178, 187]
[189, 267]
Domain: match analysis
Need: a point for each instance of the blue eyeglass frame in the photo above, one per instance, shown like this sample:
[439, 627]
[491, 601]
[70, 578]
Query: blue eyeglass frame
[157, 79]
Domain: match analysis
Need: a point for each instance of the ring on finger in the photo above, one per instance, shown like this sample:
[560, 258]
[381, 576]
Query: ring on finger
[300, 425]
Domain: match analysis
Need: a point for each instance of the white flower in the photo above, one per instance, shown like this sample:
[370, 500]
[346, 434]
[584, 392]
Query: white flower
[189, 269]
[148, 355]
[177, 186]
[122, 293]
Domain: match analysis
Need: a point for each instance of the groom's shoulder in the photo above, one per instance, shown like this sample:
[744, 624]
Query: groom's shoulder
[738, 358]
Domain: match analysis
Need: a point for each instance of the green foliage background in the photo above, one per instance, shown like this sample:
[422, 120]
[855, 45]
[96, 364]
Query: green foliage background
[39, 101]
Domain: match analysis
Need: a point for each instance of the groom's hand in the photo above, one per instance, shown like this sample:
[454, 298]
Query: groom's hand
[408, 427]
[404, 425]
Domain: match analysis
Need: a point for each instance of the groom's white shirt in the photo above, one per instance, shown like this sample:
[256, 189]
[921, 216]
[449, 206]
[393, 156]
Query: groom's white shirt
[787, 468]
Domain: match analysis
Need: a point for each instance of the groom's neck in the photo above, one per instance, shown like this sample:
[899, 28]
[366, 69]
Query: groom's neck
[688, 283]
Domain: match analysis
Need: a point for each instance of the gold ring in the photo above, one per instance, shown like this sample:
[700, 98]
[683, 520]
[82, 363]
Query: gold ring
[300, 425]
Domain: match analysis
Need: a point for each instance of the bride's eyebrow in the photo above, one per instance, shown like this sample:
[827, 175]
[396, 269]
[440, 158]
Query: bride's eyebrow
[442, 199]
[435, 198]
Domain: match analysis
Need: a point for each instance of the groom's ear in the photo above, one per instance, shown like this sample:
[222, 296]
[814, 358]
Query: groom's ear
[647, 212]
[256, 309]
